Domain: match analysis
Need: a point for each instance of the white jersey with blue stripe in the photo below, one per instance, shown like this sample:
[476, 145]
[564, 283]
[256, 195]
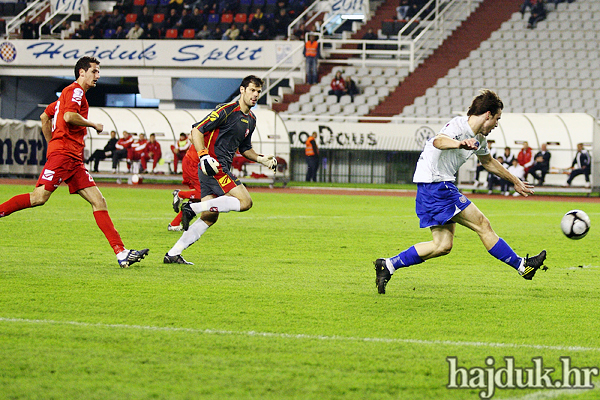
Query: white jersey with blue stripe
[437, 165]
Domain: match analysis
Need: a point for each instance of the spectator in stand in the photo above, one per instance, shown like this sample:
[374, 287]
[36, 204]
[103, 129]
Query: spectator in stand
[115, 20]
[151, 32]
[480, 167]
[172, 19]
[538, 13]
[119, 33]
[27, 29]
[136, 32]
[257, 19]
[525, 158]
[144, 17]
[583, 162]
[83, 33]
[232, 33]
[402, 9]
[413, 10]
[176, 5]
[138, 151]
[281, 21]
[300, 32]
[122, 151]
[204, 34]
[494, 180]
[180, 149]
[95, 32]
[351, 88]
[311, 55]
[246, 33]
[526, 4]
[370, 35]
[185, 22]
[198, 20]
[541, 164]
[153, 152]
[103, 154]
[217, 34]
[338, 85]
[102, 20]
[262, 33]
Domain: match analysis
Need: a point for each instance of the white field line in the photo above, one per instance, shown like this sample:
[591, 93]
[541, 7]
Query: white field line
[300, 336]
[554, 393]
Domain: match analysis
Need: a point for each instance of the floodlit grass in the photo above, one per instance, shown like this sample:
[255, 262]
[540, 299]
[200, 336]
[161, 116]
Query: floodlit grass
[281, 302]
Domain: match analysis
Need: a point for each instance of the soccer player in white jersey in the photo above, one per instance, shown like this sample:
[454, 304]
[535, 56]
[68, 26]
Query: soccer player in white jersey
[440, 205]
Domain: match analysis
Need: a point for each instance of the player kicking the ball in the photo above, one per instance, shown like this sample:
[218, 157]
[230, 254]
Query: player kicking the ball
[217, 137]
[440, 205]
[64, 125]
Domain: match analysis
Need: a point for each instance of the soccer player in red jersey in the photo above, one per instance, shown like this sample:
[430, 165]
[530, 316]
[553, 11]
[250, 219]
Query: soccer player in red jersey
[65, 124]
[227, 129]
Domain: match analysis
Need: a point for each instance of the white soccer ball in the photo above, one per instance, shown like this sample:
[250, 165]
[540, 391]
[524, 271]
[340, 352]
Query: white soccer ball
[575, 224]
[135, 179]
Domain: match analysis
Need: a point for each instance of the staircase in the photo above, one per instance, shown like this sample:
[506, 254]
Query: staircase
[487, 18]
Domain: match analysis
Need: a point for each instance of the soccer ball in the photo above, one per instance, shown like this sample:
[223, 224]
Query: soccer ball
[135, 179]
[575, 224]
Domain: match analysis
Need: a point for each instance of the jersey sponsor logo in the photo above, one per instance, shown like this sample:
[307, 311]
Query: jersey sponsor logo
[48, 175]
[462, 199]
[244, 120]
[224, 180]
[77, 95]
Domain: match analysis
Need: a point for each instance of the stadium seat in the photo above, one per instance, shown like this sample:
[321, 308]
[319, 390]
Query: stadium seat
[108, 33]
[130, 20]
[293, 108]
[152, 5]
[240, 18]
[258, 4]
[245, 6]
[331, 99]
[188, 34]
[270, 7]
[137, 6]
[171, 34]
[158, 19]
[212, 21]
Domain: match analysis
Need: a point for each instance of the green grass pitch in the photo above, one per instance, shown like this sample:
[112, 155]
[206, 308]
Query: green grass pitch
[281, 302]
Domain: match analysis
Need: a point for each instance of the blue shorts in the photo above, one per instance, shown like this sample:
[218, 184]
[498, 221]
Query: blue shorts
[438, 202]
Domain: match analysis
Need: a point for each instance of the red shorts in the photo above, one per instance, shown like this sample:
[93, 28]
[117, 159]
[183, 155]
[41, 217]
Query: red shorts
[189, 169]
[60, 168]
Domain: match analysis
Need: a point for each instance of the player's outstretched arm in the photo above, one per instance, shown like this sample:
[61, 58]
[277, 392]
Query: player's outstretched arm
[268, 160]
[493, 166]
[76, 119]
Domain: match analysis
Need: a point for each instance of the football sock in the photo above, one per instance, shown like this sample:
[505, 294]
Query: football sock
[221, 204]
[405, 259]
[188, 194]
[177, 220]
[189, 237]
[106, 226]
[504, 253]
[19, 202]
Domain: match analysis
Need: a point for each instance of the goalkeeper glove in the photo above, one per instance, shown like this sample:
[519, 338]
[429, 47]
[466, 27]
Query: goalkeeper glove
[209, 165]
[268, 161]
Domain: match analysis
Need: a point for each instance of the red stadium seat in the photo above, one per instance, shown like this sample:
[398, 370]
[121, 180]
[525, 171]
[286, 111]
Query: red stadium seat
[188, 34]
[140, 3]
[240, 18]
[227, 18]
[171, 34]
[158, 18]
[130, 18]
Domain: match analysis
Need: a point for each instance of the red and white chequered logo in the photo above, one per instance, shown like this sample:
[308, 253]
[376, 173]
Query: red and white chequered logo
[8, 52]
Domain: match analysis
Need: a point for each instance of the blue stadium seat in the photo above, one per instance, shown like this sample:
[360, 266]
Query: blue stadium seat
[108, 33]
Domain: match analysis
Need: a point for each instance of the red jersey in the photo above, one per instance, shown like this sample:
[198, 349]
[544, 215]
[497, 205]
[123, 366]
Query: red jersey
[139, 147]
[154, 147]
[67, 138]
[193, 154]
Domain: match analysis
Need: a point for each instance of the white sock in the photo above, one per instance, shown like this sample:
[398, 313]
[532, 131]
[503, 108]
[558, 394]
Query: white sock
[521, 268]
[389, 266]
[221, 204]
[122, 255]
[189, 237]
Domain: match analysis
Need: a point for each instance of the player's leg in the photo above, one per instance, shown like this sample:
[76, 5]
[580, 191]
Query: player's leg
[38, 197]
[472, 218]
[100, 209]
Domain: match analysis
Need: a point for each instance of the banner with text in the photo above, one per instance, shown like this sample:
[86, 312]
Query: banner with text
[363, 136]
[150, 53]
[22, 147]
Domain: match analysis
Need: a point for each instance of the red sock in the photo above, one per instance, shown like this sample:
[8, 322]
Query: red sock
[19, 202]
[106, 226]
[177, 220]
[188, 194]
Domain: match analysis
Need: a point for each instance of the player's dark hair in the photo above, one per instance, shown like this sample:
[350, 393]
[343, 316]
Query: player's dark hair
[252, 79]
[85, 63]
[486, 101]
